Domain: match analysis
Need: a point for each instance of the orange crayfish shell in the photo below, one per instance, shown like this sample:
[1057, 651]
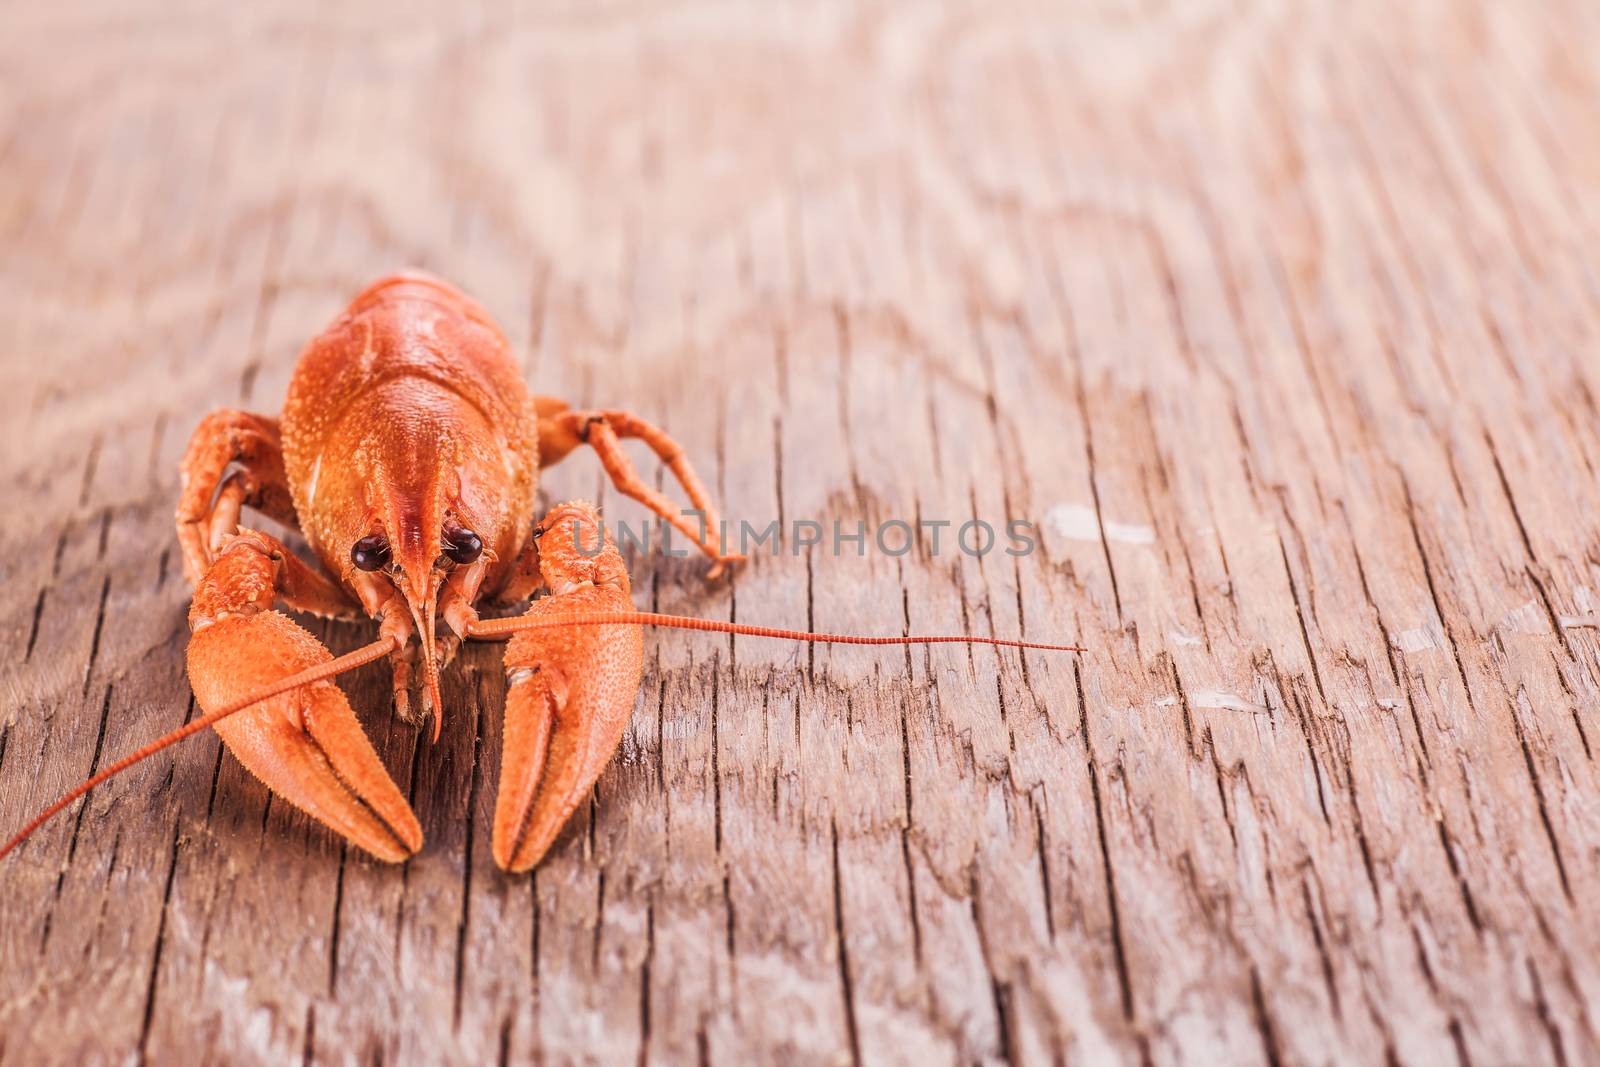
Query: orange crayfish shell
[409, 411]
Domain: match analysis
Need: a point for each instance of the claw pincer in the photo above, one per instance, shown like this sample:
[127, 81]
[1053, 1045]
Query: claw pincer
[305, 744]
[571, 692]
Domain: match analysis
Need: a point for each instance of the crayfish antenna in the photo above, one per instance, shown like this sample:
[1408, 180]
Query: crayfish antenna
[311, 675]
[492, 628]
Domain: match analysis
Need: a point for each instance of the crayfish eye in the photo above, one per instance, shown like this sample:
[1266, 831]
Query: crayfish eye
[462, 545]
[370, 553]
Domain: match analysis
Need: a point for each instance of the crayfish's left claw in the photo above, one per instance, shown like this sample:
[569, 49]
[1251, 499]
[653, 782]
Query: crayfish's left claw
[562, 728]
[572, 694]
[571, 688]
[530, 719]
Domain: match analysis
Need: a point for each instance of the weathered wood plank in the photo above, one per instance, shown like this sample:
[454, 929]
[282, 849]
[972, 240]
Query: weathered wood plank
[1278, 323]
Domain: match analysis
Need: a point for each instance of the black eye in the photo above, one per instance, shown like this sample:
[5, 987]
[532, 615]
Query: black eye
[463, 545]
[370, 553]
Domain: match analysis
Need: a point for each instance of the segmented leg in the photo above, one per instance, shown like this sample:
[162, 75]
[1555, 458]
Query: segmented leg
[522, 584]
[562, 430]
[205, 517]
[307, 588]
[305, 744]
[235, 459]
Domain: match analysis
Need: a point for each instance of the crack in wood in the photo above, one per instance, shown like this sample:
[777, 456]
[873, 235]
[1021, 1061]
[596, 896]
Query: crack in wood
[842, 950]
[155, 956]
[1124, 981]
[94, 641]
[467, 858]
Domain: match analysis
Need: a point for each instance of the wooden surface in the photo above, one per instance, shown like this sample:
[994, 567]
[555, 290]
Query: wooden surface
[1283, 322]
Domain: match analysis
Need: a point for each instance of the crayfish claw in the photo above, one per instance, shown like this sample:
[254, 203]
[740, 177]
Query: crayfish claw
[571, 696]
[305, 744]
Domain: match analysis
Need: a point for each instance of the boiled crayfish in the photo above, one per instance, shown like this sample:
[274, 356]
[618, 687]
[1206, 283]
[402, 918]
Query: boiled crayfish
[408, 455]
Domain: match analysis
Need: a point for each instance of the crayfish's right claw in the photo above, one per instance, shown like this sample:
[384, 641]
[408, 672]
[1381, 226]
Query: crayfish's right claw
[305, 745]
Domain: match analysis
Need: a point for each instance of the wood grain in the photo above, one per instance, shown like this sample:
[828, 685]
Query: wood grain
[1279, 319]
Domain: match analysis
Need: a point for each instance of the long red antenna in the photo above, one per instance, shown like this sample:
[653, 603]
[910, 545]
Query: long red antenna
[502, 627]
[348, 661]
